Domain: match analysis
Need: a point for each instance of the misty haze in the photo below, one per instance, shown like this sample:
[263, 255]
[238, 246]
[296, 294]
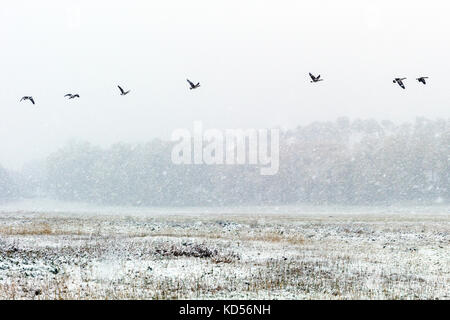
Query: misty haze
[103, 192]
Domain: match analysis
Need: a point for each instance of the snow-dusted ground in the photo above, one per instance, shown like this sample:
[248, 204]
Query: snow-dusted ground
[51, 250]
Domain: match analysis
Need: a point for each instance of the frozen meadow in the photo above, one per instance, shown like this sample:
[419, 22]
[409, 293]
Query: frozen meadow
[52, 250]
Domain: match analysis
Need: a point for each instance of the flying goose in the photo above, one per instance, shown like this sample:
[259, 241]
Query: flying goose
[193, 86]
[399, 81]
[122, 93]
[315, 79]
[28, 98]
[422, 79]
[71, 96]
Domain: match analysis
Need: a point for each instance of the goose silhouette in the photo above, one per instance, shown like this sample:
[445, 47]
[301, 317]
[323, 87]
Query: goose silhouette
[28, 98]
[315, 79]
[422, 79]
[399, 81]
[122, 92]
[71, 96]
[192, 85]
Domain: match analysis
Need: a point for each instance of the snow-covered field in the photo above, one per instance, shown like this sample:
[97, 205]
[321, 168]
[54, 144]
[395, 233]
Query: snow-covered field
[54, 250]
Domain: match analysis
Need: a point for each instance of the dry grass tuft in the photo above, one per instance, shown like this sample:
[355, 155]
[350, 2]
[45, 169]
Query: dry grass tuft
[198, 251]
[27, 230]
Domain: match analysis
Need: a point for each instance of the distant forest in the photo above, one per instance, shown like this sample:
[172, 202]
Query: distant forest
[341, 162]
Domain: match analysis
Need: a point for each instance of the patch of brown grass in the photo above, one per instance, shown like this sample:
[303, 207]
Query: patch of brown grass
[36, 229]
[27, 230]
[273, 237]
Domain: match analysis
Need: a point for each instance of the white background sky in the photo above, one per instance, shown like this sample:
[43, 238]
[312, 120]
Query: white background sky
[252, 58]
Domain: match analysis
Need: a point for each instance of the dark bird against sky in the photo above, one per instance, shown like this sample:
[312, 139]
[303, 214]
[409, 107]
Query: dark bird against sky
[192, 85]
[122, 92]
[71, 96]
[315, 79]
[422, 79]
[28, 98]
[399, 81]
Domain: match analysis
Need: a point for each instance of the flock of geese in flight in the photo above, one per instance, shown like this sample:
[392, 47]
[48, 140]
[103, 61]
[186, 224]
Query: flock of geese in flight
[193, 85]
[398, 81]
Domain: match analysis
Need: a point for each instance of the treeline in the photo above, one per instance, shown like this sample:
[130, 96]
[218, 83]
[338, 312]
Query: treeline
[8, 187]
[341, 162]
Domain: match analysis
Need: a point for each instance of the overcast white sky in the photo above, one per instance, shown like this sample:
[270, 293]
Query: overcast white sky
[252, 58]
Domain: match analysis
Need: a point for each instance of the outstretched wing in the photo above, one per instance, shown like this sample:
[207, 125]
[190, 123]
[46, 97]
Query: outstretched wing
[318, 77]
[68, 95]
[400, 83]
[23, 98]
[190, 83]
[312, 76]
[31, 99]
[76, 96]
[120, 88]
